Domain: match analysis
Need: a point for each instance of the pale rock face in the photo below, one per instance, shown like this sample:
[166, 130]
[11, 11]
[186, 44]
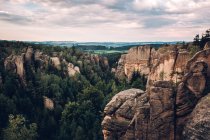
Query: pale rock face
[48, 103]
[170, 66]
[56, 62]
[137, 59]
[198, 126]
[121, 113]
[16, 64]
[204, 56]
[164, 111]
[19, 61]
[72, 70]
[29, 54]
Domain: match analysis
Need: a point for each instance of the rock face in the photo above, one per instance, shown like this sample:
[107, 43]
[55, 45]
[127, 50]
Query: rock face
[72, 70]
[120, 114]
[166, 63]
[135, 114]
[18, 63]
[198, 127]
[169, 109]
[15, 64]
[56, 62]
[189, 91]
[170, 66]
[137, 59]
[162, 111]
[48, 103]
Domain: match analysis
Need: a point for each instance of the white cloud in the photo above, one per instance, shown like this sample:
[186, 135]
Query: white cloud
[103, 19]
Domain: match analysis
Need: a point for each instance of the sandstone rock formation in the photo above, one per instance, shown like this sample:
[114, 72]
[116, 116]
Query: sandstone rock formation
[174, 109]
[134, 114]
[198, 126]
[29, 54]
[137, 59]
[15, 64]
[48, 103]
[72, 70]
[162, 111]
[120, 111]
[56, 62]
[166, 63]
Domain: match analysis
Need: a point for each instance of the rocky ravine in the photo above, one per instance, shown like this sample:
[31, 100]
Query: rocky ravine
[165, 111]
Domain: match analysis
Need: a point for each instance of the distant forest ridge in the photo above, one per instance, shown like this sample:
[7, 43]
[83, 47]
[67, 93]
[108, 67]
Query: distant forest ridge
[104, 44]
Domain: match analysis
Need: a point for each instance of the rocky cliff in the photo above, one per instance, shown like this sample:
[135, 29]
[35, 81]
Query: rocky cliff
[174, 107]
[166, 63]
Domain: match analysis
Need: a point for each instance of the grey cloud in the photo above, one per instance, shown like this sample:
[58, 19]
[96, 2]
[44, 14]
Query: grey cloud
[158, 22]
[15, 19]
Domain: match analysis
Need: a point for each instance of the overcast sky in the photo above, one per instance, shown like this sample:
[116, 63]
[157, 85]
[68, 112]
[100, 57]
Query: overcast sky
[103, 20]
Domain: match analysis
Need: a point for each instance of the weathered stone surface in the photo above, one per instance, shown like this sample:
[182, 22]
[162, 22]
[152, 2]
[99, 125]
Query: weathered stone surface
[120, 73]
[48, 103]
[169, 112]
[15, 64]
[170, 65]
[198, 126]
[162, 111]
[203, 55]
[72, 70]
[137, 59]
[56, 62]
[125, 113]
[29, 54]
[189, 91]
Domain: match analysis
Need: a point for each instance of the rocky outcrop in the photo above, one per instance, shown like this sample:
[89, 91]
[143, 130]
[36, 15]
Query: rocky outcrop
[72, 70]
[121, 114]
[137, 59]
[56, 62]
[18, 64]
[15, 64]
[170, 66]
[189, 91]
[166, 63]
[120, 73]
[134, 114]
[29, 54]
[162, 111]
[198, 126]
[48, 103]
[173, 109]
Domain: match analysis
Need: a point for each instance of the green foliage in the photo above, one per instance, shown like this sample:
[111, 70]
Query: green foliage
[78, 101]
[18, 129]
